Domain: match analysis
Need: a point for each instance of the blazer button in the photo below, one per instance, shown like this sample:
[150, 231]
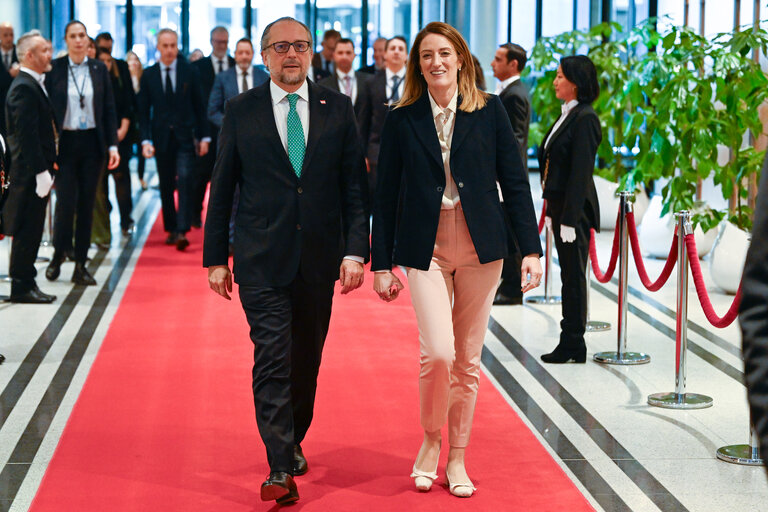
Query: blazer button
[298, 227]
[300, 190]
[461, 184]
[439, 189]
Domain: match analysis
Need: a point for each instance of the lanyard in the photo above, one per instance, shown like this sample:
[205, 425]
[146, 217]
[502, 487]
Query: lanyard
[79, 88]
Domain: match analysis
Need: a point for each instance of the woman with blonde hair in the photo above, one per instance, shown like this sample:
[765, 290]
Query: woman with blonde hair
[437, 213]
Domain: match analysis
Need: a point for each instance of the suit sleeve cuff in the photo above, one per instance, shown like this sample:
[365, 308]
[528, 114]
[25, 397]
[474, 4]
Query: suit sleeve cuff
[205, 139]
[354, 258]
[145, 142]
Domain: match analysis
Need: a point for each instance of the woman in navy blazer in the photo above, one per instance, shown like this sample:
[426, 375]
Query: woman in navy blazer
[437, 212]
[567, 160]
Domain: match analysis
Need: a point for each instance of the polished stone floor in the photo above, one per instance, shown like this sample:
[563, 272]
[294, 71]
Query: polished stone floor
[594, 419]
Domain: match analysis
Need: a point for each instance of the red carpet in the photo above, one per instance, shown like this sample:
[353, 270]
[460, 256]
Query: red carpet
[165, 421]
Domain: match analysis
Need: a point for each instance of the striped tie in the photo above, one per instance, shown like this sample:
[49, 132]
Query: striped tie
[296, 146]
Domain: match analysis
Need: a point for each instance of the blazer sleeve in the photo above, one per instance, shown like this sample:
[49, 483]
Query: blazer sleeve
[586, 138]
[388, 181]
[517, 111]
[23, 114]
[216, 101]
[354, 190]
[199, 104]
[753, 314]
[110, 111]
[226, 173]
[364, 114]
[515, 188]
[143, 104]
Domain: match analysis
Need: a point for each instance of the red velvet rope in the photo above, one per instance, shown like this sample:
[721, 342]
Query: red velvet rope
[701, 290]
[543, 216]
[599, 275]
[641, 271]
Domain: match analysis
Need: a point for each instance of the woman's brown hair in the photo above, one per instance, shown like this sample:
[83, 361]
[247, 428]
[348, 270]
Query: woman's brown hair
[415, 85]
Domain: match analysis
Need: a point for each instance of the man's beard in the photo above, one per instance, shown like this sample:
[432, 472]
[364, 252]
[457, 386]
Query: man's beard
[287, 79]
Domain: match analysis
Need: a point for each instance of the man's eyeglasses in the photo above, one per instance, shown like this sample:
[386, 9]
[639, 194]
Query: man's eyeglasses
[284, 46]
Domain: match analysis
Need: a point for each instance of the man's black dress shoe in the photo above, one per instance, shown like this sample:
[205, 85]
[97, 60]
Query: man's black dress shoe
[32, 296]
[2, 358]
[181, 242]
[300, 466]
[171, 240]
[502, 299]
[279, 486]
[562, 355]
[82, 276]
[54, 267]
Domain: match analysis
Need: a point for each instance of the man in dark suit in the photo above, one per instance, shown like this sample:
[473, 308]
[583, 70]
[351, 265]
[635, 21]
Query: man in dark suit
[209, 68]
[171, 118]
[753, 315]
[351, 83]
[385, 87]
[507, 65]
[302, 223]
[378, 57]
[32, 139]
[9, 67]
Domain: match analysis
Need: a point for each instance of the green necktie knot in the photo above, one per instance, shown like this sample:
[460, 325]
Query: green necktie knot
[296, 143]
[292, 99]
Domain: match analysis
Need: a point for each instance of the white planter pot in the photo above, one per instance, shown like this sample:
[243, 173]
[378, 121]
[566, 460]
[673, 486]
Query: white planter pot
[655, 234]
[729, 251]
[609, 203]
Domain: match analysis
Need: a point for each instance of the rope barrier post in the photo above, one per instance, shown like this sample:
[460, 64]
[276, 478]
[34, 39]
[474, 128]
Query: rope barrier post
[743, 454]
[621, 356]
[593, 325]
[547, 298]
[679, 399]
[47, 240]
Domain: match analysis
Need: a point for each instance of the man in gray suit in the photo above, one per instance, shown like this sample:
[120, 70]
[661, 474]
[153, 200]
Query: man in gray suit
[507, 65]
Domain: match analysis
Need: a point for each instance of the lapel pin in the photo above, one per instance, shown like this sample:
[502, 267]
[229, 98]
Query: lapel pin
[322, 102]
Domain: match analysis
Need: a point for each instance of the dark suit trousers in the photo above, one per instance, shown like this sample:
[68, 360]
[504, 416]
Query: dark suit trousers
[175, 168]
[122, 178]
[26, 242]
[80, 165]
[202, 175]
[288, 328]
[510, 275]
[573, 265]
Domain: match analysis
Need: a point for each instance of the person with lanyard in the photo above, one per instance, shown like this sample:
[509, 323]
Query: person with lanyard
[567, 162]
[81, 94]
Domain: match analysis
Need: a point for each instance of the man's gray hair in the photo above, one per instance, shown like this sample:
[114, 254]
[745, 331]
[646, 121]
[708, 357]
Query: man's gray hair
[265, 35]
[167, 31]
[25, 42]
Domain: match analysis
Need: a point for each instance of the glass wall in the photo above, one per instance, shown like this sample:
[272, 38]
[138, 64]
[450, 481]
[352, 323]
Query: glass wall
[104, 16]
[556, 17]
[206, 14]
[149, 16]
[264, 12]
[524, 23]
[389, 18]
[342, 15]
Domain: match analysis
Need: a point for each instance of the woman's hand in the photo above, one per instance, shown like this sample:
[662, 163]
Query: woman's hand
[530, 272]
[387, 285]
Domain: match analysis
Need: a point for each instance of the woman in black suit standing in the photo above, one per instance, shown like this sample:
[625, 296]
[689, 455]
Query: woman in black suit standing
[567, 161]
[81, 94]
[437, 212]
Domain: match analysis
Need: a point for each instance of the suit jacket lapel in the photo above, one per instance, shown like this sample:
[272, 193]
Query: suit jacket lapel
[420, 115]
[318, 112]
[264, 112]
[462, 126]
[566, 122]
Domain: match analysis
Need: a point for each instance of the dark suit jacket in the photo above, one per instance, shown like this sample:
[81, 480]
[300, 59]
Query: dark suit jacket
[225, 87]
[5, 84]
[56, 83]
[516, 102]
[480, 156]
[379, 108]
[185, 118]
[362, 101]
[569, 188]
[753, 315]
[125, 97]
[207, 74]
[371, 70]
[284, 224]
[319, 74]
[32, 144]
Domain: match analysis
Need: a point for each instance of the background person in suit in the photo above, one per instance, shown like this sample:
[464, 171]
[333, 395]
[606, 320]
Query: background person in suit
[437, 213]
[567, 161]
[302, 223]
[386, 87]
[753, 315]
[507, 64]
[350, 83]
[81, 94]
[378, 57]
[9, 67]
[32, 138]
[136, 70]
[209, 68]
[171, 117]
[324, 59]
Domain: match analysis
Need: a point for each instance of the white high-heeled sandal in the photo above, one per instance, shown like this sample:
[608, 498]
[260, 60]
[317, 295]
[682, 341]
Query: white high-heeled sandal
[454, 486]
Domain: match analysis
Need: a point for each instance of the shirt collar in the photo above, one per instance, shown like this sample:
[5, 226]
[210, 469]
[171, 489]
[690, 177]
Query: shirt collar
[172, 66]
[341, 74]
[73, 65]
[248, 71]
[437, 109]
[278, 94]
[505, 83]
[390, 74]
[34, 74]
[566, 108]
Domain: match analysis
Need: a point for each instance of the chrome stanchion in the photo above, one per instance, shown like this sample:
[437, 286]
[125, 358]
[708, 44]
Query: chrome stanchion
[593, 325]
[744, 454]
[679, 399]
[6, 277]
[47, 240]
[547, 298]
[621, 356]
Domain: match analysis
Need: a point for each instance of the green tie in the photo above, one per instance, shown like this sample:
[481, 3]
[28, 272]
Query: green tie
[295, 136]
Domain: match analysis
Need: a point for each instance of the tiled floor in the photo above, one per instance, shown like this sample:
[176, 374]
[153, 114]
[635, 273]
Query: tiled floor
[594, 419]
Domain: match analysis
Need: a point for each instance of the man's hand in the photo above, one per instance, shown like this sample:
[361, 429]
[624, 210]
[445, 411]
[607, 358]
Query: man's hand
[531, 266]
[220, 280]
[351, 275]
[202, 148]
[15, 68]
[114, 159]
[147, 150]
[387, 285]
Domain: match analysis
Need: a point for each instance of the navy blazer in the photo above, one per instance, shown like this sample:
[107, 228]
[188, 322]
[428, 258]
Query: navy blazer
[285, 224]
[225, 87]
[517, 103]
[481, 155]
[569, 161]
[185, 118]
[362, 101]
[104, 110]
